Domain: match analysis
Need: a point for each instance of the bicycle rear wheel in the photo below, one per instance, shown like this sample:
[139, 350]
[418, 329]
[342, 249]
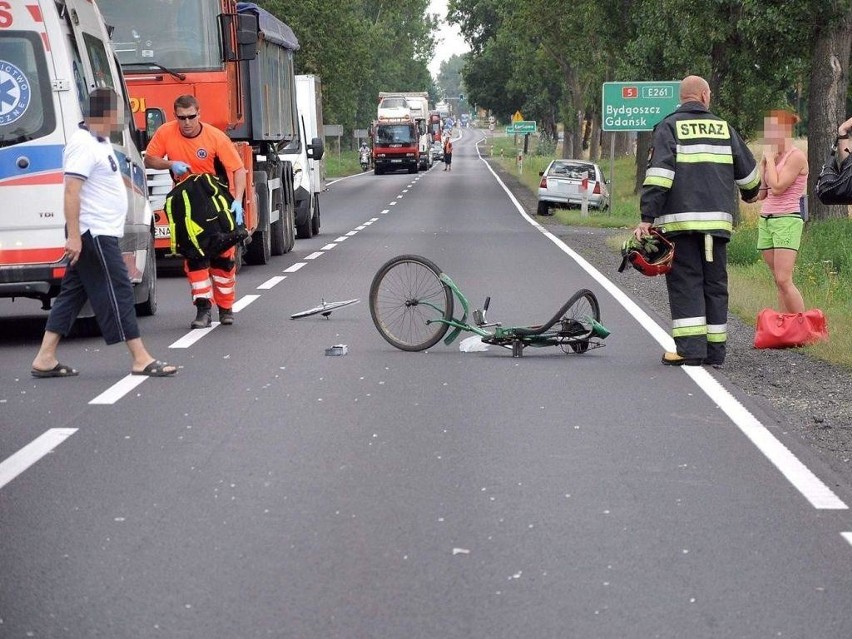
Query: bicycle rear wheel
[406, 293]
[576, 325]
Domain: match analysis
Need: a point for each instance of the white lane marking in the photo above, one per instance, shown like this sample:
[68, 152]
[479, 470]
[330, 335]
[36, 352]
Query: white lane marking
[405, 190]
[13, 466]
[328, 247]
[847, 535]
[813, 489]
[341, 239]
[314, 255]
[371, 220]
[193, 336]
[351, 233]
[360, 228]
[392, 204]
[118, 390]
[346, 177]
[295, 267]
[272, 281]
[399, 197]
[244, 301]
[385, 212]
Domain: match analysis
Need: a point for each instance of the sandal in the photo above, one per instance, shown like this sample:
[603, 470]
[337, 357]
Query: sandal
[157, 369]
[60, 370]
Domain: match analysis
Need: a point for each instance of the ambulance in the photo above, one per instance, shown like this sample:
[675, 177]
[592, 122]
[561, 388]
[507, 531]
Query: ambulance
[52, 54]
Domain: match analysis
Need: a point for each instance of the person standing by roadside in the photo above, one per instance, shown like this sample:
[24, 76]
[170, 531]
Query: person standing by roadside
[785, 177]
[187, 146]
[95, 211]
[448, 153]
[695, 160]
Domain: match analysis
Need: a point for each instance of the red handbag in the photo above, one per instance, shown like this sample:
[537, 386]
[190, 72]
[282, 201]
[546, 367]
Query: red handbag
[788, 330]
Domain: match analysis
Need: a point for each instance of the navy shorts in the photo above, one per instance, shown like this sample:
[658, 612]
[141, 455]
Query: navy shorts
[101, 277]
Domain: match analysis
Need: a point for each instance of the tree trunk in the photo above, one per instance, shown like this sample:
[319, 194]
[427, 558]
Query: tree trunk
[826, 105]
[643, 145]
[595, 137]
[624, 143]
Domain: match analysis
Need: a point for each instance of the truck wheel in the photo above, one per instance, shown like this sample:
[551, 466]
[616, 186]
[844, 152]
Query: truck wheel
[377, 171]
[412, 169]
[315, 220]
[278, 240]
[284, 231]
[260, 249]
[148, 306]
[305, 230]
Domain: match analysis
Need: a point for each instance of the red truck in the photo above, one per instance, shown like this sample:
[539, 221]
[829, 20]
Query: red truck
[395, 144]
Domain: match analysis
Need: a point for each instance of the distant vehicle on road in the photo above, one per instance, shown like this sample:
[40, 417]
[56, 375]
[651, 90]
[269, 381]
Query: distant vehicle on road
[562, 184]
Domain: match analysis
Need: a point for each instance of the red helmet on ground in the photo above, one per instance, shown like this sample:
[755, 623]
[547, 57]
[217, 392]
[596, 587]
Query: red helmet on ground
[651, 256]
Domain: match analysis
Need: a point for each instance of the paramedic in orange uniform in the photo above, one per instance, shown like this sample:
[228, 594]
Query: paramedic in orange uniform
[188, 146]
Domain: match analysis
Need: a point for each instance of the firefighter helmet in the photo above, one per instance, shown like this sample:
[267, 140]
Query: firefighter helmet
[651, 256]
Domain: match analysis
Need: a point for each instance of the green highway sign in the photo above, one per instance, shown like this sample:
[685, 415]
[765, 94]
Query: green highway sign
[525, 126]
[637, 106]
[510, 129]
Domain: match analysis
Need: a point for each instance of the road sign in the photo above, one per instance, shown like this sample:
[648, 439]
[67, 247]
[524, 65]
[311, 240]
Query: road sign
[525, 126]
[332, 130]
[637, 106]
[517, 117]
[359, 133]
[510, 130]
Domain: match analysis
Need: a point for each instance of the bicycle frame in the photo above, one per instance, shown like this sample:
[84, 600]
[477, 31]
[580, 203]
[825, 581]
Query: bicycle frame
[516, 336]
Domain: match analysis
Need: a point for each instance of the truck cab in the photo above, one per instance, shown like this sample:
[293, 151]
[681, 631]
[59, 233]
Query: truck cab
[53, 53]
[395, 145]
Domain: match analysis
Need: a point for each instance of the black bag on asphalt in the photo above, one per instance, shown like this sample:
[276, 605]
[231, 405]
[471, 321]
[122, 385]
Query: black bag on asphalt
[834, 185]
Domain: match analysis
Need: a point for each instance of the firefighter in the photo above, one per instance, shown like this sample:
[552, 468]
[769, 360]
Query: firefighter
[190, 146]
[688, 194]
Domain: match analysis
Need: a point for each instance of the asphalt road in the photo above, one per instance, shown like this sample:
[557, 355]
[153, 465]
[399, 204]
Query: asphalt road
[272, 491]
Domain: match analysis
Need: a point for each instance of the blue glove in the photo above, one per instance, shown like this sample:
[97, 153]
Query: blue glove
[237, 210]
[179, 168]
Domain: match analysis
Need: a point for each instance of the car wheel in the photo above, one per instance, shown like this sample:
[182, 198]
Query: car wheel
[543, 208]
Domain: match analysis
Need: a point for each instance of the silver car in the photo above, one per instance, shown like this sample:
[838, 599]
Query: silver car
[562, 184]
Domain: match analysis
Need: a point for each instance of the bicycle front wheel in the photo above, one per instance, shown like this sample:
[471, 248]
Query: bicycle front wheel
[405, 294]
[576, 322]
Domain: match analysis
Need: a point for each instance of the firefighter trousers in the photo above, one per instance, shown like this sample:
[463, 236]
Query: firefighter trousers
[213, 279]
[698, 297]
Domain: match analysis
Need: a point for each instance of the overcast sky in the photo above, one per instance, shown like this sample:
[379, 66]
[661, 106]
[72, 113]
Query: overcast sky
[450, 42]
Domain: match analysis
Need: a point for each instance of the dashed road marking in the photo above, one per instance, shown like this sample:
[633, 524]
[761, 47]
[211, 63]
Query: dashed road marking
[244, 301]
[847, 535]
[193, 336]
[45, 443]
[328, 247]
[272, 281]
[351, 233]
[118, 390]
[294, 267]
[314, 255]
[341, 239]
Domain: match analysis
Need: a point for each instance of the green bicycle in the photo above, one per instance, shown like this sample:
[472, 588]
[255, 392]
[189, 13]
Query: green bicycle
[411, 303]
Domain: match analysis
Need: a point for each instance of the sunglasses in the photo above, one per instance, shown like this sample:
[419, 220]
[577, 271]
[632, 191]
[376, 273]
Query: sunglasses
[184, 118]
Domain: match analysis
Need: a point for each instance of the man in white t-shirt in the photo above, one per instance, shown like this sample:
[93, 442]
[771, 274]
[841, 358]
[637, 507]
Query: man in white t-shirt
[95, 210]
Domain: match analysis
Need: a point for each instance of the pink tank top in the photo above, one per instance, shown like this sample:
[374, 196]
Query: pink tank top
[788, 201]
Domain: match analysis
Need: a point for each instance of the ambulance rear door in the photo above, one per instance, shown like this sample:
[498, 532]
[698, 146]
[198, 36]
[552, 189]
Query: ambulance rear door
[32, 238]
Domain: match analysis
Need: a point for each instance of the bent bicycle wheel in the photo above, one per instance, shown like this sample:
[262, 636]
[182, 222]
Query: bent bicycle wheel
[576, 322]
[405, 295]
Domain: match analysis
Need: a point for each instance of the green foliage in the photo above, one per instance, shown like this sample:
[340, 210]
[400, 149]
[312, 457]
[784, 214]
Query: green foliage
[358, 48]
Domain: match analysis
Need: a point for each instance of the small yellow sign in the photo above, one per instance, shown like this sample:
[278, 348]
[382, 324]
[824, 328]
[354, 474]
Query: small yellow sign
[517, 117]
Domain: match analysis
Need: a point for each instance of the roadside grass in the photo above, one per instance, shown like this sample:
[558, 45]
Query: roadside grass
[823, 270]
[346, 163]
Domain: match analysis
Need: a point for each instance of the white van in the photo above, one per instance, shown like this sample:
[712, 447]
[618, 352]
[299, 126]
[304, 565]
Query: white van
[52, 54]
[308, 168]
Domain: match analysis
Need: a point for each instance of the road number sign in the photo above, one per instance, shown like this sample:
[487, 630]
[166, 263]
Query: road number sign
[637, 106]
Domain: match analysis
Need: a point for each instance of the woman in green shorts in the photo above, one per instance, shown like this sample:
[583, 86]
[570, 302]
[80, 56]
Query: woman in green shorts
[779, 231]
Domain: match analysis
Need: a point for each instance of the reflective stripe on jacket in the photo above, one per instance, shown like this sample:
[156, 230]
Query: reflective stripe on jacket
[695, 160]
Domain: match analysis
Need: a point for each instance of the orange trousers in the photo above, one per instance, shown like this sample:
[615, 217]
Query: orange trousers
[216, 281]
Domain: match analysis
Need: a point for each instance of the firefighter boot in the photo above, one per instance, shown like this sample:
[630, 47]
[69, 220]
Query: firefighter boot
[226, 316]
[202, 316]
[673, 359]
